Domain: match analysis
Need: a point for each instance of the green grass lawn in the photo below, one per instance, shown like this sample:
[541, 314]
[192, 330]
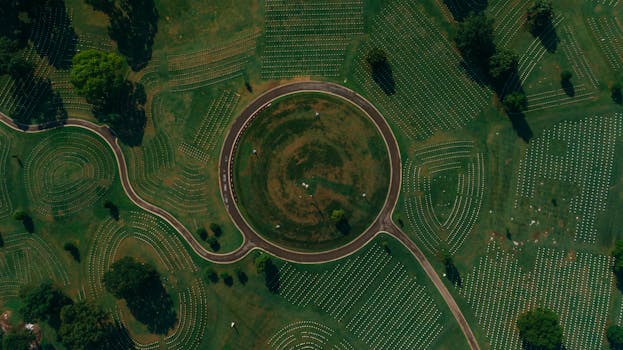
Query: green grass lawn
[305, 167]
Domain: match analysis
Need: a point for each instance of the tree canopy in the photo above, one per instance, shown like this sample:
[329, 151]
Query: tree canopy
[97, 75]
[539, 16]
[140, 285]
[381, 70]
[43, 303]
[502, 65]
[515, 102]
[18, 339]
[615, 337]
[540, 329]
[474, 38]
[85, 326]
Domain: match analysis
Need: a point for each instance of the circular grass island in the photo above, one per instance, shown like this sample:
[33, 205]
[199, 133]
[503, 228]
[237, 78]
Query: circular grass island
[311, 172]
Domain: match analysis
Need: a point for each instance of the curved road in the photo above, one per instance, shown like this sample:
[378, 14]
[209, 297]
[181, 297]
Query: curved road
[252, 240]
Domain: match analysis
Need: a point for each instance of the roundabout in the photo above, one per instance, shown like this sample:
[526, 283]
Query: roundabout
[311, 172]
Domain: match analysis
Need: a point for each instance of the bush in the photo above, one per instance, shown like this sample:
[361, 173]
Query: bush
[210, 275]
[227, 279]
[539, 329]
[216, 229]
[202, 233]
[73, 250]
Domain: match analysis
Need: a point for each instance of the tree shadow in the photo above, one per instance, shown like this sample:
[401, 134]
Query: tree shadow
[133, 26]
[548, 37]
[521, 126]
[567, 87]
[460, 9]
[28, 223]
[118, 338]
[56, 39]
[36, 102]
[154, 308]
[343, 226]
[617, 96]
[271, 277]
[126, 114]
[384, 77]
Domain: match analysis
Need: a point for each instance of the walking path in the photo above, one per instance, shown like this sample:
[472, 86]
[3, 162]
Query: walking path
[251, 239]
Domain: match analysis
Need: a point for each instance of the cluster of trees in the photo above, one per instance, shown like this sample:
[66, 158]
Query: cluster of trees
[78, 325]
[99, 77]
[211, 276]
[133, 25]
[212, 240]
[18, 16]
[140, 285]
[614, 334]
[17, 339]
[540, 329]
[265, 266]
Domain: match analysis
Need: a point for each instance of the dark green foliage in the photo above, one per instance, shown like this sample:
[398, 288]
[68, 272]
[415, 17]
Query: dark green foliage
[133, 25]
[202, 233]
[113, 209]
[57, 41]
[615, 337]
[502, 66]
[8, 49]
[566, 84]
[338, 216]
[260, 263]
[474, 38]
[617, 253]
[216, 229]
[452, 273]
[242, 276]
[210, 275]
[539, 329]
[141, 287]
[264, 265]
[20, 339]
[98, 76]
[227, 279]
[73, 250]
[43, 303]
[381, 70]
[85, 326]
[515, 102]
[26, 220]
[616, 92]
[539, 16]
[213, 243]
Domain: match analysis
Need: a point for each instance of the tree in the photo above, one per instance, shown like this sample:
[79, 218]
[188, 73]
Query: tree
[213, 243]
[26, 220]
[18, 339]
[502, 66]
[617, 253]
[85, 326]
[227, 279]
[539, 16]
[264, 265]
[515, 102]
[474, 39]
[338, 216]
[73, 250]
[43, 303]
[565, 75]
[616, 92]
[139, 284]
[202, 233]
[8, 49]
[451, 271]
[615, 337]
[112, 209]
[565, 82]
[97, 75]
[210, 275]
[540, 330]
[1, 241]
[381, 70]
[260, 262]
[242, 276]
[216, 229]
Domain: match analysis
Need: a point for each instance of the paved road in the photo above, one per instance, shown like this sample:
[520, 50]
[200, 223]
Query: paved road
[252, 240]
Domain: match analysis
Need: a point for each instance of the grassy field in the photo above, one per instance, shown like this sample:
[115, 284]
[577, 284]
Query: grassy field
[305, 167]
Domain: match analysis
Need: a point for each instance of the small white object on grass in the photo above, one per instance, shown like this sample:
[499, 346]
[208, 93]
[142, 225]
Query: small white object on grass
[233, 324]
